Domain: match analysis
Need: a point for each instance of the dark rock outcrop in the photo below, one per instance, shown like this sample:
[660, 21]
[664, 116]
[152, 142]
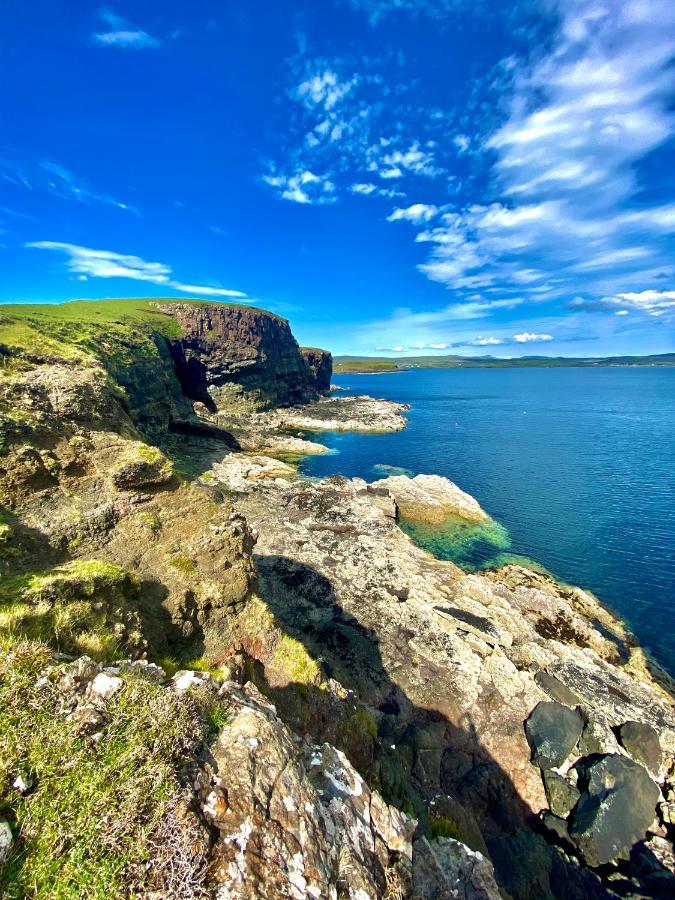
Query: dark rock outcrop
[615, 810]
[233, 358]
[320, 363]
[552, 730]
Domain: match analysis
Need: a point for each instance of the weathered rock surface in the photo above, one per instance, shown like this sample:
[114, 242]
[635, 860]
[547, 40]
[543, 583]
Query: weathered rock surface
[615, 810]
[296, 820]
[431, 499]
[447, 868]
[552, 732]
[448, 662]
[141, 466]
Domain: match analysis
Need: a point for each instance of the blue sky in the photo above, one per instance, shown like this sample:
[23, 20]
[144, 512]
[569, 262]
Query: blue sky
[393, 176]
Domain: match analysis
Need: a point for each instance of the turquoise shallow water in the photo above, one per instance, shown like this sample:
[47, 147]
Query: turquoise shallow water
[575, 465]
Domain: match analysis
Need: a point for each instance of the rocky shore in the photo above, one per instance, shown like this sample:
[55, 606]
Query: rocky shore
[336, 712]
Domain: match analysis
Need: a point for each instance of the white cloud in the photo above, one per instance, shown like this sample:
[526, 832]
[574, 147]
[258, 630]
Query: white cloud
[528, 337]
[86, 262]
[122, 34]
[438, 346]
[417, 213]
[462, 142]
[324, 89]
[363, 188]
[393, 164]
[397, 348]
[303, 187]
[488, 341]
[566, 215]
[654, 303]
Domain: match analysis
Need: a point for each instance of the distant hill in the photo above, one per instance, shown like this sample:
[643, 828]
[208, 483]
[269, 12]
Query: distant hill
[374, 365]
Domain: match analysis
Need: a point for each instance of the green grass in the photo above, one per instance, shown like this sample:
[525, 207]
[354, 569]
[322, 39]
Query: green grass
[75, 609]
[105, 817]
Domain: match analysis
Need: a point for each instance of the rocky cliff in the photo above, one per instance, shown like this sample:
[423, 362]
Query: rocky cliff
[233, 356]
[221, 680]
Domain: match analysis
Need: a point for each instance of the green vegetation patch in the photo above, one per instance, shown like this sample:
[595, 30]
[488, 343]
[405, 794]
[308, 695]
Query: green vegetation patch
[86, 606]
[184, 564]
[103, 818]
[291, 658]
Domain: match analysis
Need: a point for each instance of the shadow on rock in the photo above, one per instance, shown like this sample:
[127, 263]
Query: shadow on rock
[419, 760]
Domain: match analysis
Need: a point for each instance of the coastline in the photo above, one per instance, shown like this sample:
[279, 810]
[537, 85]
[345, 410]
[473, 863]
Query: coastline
[335, 649]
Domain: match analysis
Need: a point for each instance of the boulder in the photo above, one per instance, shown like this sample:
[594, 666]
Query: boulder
[552, 731]
[561, 795]
[615, 810]
[641, 741]
[188, 679]
[432, 499]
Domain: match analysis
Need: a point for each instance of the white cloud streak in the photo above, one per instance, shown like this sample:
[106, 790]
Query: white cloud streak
[122, 34]
[86, 262]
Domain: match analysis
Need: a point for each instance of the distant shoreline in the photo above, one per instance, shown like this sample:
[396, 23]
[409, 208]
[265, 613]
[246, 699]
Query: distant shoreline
[387, 365]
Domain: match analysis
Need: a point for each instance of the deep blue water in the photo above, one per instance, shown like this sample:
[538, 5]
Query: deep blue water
[575, 465]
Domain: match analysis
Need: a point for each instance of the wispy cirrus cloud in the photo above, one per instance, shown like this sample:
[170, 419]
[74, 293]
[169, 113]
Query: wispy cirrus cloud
[63, 183]
[57, 180]
[86, 262]
[122, 34]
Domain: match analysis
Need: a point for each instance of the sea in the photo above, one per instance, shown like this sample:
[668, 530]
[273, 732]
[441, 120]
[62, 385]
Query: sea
[576, 466]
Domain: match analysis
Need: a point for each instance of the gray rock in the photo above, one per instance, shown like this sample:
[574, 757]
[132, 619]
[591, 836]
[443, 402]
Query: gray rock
[6, 840]
[556, 689]
[447, 868]
[556, 828]
[561, 795]
[642, 743]
[552, 731]
[615, 810]
[106, 686]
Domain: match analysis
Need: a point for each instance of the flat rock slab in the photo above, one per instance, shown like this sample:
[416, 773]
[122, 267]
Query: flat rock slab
[615, 810]
[552, 731]
[641, 741]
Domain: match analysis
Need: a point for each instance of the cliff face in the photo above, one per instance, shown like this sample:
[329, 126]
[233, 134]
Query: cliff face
[320, 363]
[232, 357]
